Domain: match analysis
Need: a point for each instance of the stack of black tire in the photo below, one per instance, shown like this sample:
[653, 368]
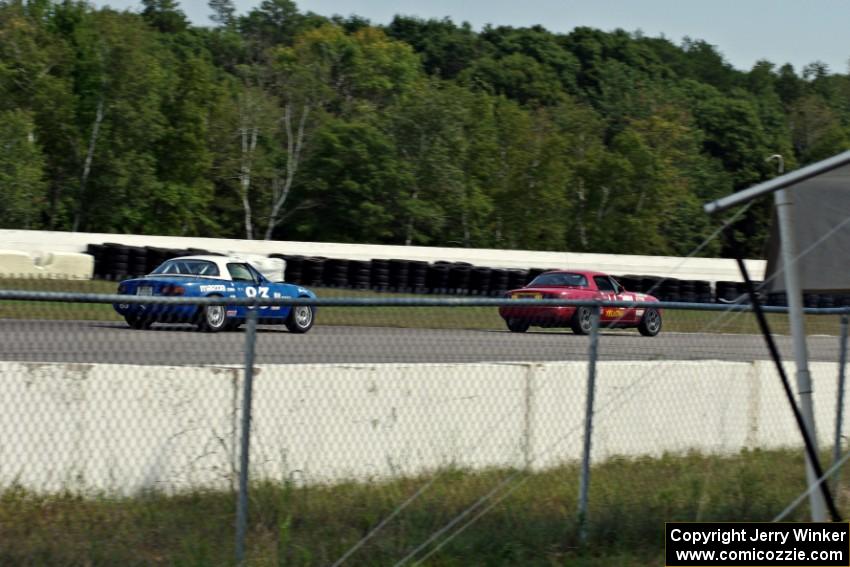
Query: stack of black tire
[518, 278]
[114, 261]
[437, 277]
[479, 280]
[335, 273]
[726, 292]
[650, 285]
[417, 276]
[702, 289]
[397, 274]
[379, 275]
[669, 290]
[156, 256]
[313, 270]
[292, 271]
[778, 298]
[97, 251]
[359, 274]
[459, 276]
[499, 279]
[687, 291]
[834, 300]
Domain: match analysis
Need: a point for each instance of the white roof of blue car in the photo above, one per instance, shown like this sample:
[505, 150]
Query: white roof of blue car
[220, 262]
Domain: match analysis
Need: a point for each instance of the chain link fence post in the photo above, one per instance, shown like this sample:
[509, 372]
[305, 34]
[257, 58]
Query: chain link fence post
[584, 485]
[839, 409]
[244, 449]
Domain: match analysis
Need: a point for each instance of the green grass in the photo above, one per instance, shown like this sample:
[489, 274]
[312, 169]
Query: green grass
[535, 524]
[410, 317]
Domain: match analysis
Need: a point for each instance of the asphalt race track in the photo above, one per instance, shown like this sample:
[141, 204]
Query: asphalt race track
[105, 342]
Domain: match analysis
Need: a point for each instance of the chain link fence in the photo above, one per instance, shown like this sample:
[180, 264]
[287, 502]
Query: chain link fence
[402, 430]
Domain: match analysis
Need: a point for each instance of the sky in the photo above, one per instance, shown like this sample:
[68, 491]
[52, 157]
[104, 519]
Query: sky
[744, 31]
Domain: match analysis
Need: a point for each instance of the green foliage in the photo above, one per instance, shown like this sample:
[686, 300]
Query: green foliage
[164, 15]
[446, 49]
[354, 194]
[21, 171]
[285, 124]
[223, 12]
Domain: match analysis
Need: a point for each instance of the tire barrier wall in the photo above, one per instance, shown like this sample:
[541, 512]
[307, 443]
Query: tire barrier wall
[122, 429]
[114, 261]
[693, 268]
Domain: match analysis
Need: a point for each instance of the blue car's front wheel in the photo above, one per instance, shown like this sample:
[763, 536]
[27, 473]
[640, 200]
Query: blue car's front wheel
[300, 319]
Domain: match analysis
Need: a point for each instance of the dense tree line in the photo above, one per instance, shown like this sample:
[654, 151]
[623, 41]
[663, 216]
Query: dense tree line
[288, 125]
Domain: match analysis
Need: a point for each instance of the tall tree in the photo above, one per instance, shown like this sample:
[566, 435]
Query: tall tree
[329, 70]
[224, 12]
[164, 15]
[21, 172]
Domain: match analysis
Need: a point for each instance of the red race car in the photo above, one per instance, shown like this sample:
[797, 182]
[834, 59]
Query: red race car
[580, 285]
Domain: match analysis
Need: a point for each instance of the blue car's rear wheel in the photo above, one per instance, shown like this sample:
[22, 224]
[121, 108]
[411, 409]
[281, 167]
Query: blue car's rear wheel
[138, 322]
[213, 318]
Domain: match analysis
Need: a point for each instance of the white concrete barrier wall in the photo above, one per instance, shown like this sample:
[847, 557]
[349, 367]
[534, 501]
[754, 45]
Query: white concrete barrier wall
[713, 269]
[121, 428]
[40, 264]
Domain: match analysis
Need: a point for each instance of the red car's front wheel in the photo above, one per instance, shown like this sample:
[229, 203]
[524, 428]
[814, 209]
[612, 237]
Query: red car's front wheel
[650, 323]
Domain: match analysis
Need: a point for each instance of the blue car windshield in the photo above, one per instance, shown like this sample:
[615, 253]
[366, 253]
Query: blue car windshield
[187, 268]
[559, 279]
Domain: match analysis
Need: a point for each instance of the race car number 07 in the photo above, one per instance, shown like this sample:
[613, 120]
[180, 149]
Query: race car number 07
[262, 291]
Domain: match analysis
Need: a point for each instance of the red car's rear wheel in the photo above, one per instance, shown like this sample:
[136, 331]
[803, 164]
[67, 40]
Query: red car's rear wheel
[582, 321]
[517, 326]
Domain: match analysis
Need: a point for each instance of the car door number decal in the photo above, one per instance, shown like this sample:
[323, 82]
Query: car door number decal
[262, 292]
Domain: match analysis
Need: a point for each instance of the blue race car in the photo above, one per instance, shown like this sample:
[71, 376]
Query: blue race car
[209, 276]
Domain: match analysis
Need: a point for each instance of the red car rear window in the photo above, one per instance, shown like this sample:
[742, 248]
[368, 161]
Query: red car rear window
[559, 279]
